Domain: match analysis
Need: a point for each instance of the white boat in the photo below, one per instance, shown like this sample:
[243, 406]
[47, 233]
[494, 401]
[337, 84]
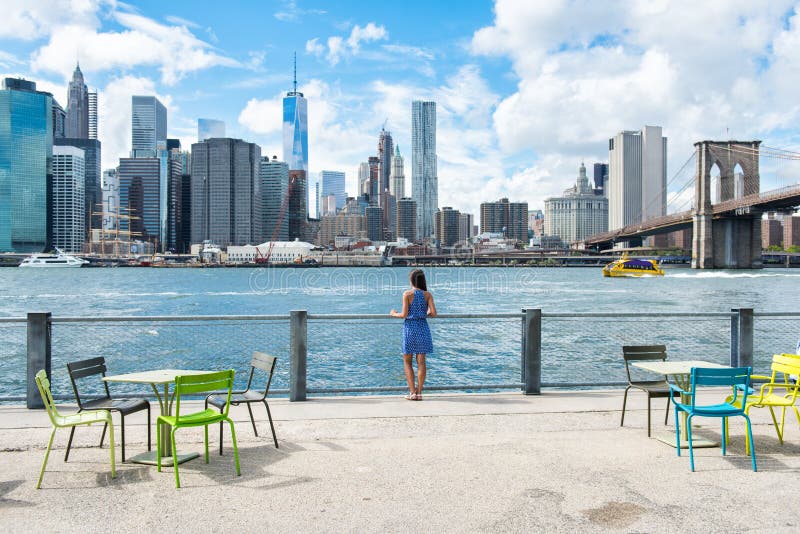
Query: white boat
[53, 260]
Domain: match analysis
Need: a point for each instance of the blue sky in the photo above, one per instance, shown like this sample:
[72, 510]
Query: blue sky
[525, 90]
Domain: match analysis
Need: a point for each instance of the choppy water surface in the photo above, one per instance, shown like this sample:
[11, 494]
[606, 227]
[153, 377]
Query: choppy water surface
[365, 353]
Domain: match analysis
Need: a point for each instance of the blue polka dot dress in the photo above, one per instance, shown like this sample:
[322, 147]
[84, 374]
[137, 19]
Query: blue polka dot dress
[416, 334]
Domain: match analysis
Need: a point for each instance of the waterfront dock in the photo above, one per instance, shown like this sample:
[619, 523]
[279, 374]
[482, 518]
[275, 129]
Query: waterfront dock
[556, 462]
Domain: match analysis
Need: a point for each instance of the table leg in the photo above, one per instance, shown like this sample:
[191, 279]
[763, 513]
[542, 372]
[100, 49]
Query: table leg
[164, 445]
[683, 382]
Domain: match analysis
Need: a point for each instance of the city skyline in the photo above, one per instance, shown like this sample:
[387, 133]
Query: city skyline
[524, 92]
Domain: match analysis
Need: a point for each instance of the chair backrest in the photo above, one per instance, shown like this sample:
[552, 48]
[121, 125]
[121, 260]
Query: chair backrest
[264, 362]
[204, 383]
[634, 353]
[43, 383]
[725, 376]
[789, 365]
[84, 368]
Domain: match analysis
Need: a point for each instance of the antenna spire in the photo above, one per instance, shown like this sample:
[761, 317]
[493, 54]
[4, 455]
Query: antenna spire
[295, 71]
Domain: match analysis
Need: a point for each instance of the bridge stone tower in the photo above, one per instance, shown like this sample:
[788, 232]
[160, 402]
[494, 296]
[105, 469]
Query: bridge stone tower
[726, 240]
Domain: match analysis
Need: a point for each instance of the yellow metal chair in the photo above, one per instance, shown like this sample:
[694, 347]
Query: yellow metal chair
[778, 392]
[70, 421]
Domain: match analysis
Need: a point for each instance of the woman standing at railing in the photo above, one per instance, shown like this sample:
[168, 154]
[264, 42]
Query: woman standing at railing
[417, 305]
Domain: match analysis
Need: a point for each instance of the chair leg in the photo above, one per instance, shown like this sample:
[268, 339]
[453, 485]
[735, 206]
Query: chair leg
[235, 448]
[252, 419]
[149, 447]
[175, 459]
[775, 422]
[220, 434]
[111, 445]
[752, 444]
[724, 433]
[648, 415]
[271, 426]
[69, 443]
[46, 454]
[103, 435]
[158, 446]
[666, 415]
[122, 434]
[205, 441]
[624, 402]
[677, 433]
[689, 438]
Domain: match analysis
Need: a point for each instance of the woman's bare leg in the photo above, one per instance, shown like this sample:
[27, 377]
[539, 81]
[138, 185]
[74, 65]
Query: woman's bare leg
[409, 370]
[421, 372]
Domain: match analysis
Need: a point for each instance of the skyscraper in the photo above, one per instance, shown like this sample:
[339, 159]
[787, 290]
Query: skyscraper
[363, 178]
[397, 182]
[91, 155]
[140, 198]
[297, 211]
[67, 210]
[208, 128]
[385, 154]
[600, 178]
[93, 115]
[274, 190]
[637, 177]
[373, 223]
[226, 192]
[448, 223]
[26, 151]
[333, 184]
[406, 224]
[110, 199]
[508, 218]
[578, 214]
[424, 179]
[77, 107]
[295, 128]
[148, 126]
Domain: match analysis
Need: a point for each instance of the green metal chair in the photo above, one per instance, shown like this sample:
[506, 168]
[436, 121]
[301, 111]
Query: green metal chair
[70, 421]
[194, 385]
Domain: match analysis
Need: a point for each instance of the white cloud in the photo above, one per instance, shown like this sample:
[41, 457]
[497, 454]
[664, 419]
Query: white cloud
[292, 13]
[339, 47]
[174, 50]
[587, 70]
[33, 19]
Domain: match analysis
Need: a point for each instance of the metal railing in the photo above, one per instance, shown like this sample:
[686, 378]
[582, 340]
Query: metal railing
[329, 354]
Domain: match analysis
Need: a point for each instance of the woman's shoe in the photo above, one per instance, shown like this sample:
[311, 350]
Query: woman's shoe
[418, 396]
[411, 396]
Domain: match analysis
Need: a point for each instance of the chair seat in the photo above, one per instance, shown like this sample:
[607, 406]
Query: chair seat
[237, 397]
[208, 416]
[768, 400]
[83, 418]
[124, 406]
[655, 388]
[718, 410]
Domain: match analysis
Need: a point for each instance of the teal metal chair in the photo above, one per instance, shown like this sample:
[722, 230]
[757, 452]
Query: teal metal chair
[191, 385]
[738, 378]
[70, 421]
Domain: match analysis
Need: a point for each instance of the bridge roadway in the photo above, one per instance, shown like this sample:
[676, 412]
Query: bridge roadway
[776, 199]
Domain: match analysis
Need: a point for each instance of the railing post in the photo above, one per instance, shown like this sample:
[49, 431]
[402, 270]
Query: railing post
[38, 356]
[533, 351]
[298, 346]
[745, 345]
[734, 360]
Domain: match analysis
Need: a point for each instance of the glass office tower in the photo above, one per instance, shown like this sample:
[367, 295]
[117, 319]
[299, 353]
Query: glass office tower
[26, 152]
[148, 126]
[295, 130]
[424, 179]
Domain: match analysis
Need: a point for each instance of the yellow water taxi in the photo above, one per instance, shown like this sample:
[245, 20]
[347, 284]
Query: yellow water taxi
[625, 266]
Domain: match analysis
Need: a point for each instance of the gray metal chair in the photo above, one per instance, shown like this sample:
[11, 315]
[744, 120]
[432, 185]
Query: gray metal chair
[653, 388]
[263, 362]
[94, 367]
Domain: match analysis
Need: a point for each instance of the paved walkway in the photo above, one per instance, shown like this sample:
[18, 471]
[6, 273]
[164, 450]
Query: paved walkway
[558, 462]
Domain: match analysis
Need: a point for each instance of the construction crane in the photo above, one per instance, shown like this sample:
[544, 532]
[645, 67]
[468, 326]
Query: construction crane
[264, 259]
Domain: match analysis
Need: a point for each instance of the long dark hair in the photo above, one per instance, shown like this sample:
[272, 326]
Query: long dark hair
[417, 278]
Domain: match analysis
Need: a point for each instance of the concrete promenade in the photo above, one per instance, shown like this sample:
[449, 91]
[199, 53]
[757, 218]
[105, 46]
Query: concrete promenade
[558, 462]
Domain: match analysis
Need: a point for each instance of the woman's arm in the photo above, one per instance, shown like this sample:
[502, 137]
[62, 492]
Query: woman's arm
[404, 313]
[431, 305]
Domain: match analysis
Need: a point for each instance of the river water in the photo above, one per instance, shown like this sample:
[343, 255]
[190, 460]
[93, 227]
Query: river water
[365, 353]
